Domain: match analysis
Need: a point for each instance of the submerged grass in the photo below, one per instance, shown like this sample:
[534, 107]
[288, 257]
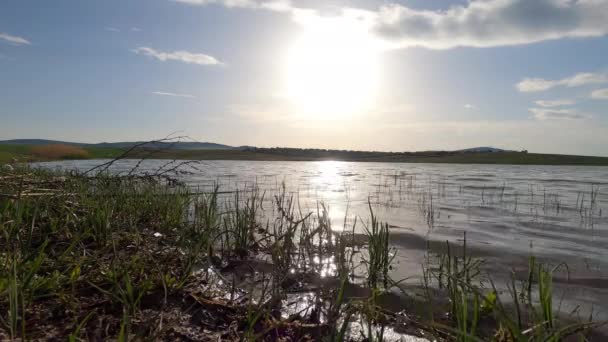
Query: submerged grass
[144, 258]
[478, 312]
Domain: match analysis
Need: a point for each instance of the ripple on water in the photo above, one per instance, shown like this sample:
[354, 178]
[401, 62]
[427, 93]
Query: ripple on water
[460, 197]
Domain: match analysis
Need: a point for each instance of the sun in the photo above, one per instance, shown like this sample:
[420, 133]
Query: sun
[332, 69]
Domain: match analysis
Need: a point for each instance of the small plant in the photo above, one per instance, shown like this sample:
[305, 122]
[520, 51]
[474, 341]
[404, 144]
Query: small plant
[380, 255]
[126, 291]
[239, 223]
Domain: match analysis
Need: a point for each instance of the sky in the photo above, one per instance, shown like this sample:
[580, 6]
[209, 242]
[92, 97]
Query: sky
[384, 75]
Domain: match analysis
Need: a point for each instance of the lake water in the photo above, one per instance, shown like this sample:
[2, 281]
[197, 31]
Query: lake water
[557, 213]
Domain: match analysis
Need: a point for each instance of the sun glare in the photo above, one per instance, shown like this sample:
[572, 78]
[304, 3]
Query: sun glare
[332, 69]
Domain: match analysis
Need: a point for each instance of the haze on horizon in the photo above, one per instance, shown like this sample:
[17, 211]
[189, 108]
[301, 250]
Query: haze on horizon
[361, 75]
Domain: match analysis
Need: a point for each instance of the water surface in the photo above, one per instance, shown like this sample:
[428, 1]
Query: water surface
[557, 213]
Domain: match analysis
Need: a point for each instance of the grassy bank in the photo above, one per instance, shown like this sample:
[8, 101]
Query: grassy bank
[27, 153]
[147, 258]
[62, 152]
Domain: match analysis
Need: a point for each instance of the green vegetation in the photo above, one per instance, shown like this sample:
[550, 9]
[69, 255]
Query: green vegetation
[27, 153]
[516, 158]
[146, 258]
[8, 152]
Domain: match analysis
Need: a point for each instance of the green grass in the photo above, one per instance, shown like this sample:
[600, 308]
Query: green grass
[103, 153]
[379, 254]
[8, 152]
[23, 153]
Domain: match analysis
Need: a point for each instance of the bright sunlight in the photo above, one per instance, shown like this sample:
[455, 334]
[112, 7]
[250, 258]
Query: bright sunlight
[333, 69]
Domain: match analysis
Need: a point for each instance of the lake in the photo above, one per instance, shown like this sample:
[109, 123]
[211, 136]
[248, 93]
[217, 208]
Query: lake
[509, 212]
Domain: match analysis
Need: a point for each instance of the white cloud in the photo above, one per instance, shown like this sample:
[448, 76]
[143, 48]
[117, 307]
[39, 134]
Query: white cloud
[111, 29]
[600, 94]
[487, 23]
[580, 79]
[272, 5]
[470, 106]
[554, 103]
[164, 93]
[135, 29]
[181, 56]
[535, 84]
[557, 114]
[478, 23]
[14, 39]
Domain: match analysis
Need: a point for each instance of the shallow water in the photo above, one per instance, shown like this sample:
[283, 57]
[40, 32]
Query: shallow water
[509, 212]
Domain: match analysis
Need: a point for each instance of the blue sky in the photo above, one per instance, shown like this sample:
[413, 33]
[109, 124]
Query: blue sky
[367, 74]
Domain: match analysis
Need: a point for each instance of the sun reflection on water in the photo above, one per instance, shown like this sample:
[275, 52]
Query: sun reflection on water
[332, 189]
[328, 173]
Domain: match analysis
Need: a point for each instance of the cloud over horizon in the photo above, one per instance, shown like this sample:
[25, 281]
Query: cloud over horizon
[558, 114]
[180, 56]
[14, 39]
[580, 79]
[554, 103]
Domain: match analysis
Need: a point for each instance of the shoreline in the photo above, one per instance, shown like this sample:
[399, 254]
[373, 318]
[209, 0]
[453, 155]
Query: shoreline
[57, 152]
[496, 158]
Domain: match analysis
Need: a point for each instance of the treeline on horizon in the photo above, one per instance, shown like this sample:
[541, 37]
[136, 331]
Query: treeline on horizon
[321, 152]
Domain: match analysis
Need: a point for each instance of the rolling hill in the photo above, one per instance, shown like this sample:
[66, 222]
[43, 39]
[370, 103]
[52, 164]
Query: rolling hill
[182, 145]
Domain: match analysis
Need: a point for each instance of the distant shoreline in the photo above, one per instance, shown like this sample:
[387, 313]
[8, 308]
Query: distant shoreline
[27, 153]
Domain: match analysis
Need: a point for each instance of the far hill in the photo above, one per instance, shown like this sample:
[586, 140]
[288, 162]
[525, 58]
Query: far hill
[181, 145]
[34, 142]
[483, 150]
